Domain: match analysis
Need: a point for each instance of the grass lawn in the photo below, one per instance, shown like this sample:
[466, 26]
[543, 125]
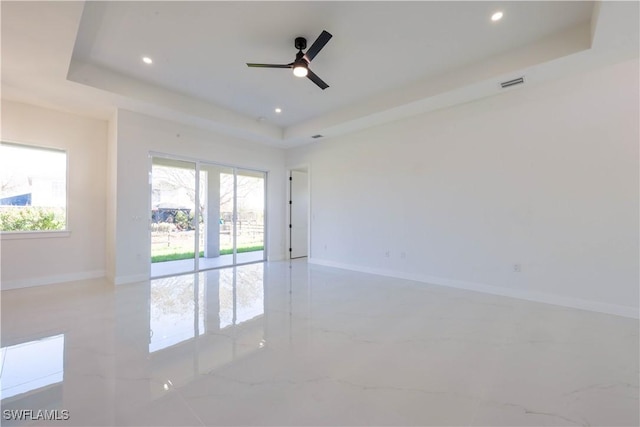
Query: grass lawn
[189, 255]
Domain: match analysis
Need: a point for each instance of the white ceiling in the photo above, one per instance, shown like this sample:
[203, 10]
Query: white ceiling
[386, 59]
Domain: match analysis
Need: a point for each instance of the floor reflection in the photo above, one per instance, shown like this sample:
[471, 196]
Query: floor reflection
[31, 368]
[249, 293]
[184, 307]
[200, 322]
[173, 316]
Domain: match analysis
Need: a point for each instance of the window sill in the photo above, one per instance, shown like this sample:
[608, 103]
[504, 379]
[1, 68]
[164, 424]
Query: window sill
[19, 235]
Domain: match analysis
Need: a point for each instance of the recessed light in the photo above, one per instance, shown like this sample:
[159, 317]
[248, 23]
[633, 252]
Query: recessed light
[497, 16]
[147, 60]
[278, 110]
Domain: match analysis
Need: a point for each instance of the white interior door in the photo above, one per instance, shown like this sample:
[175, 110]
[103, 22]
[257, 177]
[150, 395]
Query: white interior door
[299, 212]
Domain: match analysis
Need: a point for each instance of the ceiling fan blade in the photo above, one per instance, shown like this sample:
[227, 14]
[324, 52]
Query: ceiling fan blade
[317, 80]
[269, 65]
[317, 45]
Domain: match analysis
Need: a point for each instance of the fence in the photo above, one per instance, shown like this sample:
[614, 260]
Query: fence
[171, 241]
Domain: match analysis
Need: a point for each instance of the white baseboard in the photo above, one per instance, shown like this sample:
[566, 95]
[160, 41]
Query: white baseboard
[600, 307]
[123, 280]
[50, 280]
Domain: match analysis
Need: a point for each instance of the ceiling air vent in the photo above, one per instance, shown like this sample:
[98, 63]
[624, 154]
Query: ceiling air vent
[513, 82]
[316, 136]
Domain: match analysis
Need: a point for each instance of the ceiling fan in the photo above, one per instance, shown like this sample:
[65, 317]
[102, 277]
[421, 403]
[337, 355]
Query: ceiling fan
[301, 65]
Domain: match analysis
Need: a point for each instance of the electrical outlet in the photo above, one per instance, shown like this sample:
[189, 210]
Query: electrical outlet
[517, 268]
[387, 254]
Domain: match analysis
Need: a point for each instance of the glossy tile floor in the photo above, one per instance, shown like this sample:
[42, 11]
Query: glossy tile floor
[292, 344]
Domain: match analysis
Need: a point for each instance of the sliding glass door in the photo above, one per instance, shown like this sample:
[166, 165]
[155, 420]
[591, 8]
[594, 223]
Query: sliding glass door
[173, 231]
[218, 228]
[223, 222]
[250, 223]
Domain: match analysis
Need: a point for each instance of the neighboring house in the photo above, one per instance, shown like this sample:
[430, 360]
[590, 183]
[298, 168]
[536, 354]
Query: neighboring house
[19, 200]
[43, 190]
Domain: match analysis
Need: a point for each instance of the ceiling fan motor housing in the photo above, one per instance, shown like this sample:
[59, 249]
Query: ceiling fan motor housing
[300, 43]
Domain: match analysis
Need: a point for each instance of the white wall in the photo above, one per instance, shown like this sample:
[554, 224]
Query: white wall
[112, 196]
[81, 254]
[544, 176]
[137, 136]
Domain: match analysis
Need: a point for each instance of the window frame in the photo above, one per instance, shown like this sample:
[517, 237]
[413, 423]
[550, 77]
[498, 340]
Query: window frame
[42, 234]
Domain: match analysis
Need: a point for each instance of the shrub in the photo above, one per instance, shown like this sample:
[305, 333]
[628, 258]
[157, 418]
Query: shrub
[30, 218]
[183, 221]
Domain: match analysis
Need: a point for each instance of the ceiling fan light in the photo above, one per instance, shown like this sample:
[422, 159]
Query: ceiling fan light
[300, 71]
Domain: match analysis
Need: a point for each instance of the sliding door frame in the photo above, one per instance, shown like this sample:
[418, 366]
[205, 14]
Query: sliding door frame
[235, 169]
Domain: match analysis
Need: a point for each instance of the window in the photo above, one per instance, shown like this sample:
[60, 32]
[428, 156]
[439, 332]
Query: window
[33, 188]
